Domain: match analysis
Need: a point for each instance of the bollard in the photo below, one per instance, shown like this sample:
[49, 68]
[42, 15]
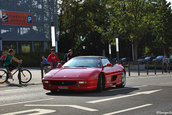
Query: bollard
[162, 65]
[128, 68]
[155, 67]
[147, 68]
[42, 73]
[169, 68]
[138, 69]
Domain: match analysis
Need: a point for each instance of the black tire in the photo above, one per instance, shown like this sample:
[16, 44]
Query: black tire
[123, 80]
[100, 83]
[53, 91]
[26, 76]
[3, 76]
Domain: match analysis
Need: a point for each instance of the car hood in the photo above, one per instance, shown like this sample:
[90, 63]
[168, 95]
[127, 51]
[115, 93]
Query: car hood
[72, 73]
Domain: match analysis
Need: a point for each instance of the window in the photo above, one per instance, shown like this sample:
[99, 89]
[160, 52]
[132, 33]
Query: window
[105, 61]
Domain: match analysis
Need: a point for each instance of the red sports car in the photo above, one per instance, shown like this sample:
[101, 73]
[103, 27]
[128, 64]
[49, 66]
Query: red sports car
[85, 73]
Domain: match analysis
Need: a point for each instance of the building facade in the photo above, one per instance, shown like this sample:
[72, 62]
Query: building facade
[32, 34]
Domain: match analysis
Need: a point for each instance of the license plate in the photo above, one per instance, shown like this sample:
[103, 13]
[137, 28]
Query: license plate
[63, 87]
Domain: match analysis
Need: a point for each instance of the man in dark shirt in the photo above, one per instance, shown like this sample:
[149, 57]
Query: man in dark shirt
[68, 55]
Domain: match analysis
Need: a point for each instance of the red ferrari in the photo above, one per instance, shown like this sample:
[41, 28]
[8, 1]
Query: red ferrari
[85, 73]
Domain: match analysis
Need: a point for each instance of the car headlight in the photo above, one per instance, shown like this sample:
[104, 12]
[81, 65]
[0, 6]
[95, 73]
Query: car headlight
[82, 82]
[45, 81]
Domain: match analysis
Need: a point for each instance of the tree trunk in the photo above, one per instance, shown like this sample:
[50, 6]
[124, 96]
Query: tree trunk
[134, 51]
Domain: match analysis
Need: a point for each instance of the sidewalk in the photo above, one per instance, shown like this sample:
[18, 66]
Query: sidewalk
[36, 76]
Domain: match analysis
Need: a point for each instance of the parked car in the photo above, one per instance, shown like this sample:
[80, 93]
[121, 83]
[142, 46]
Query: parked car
[125, 60]
[85, 73]
[158, 59]
[148, 59]
[170, 59]
[141, 60]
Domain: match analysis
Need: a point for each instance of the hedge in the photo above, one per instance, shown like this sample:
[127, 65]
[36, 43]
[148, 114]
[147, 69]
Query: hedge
[34, 59]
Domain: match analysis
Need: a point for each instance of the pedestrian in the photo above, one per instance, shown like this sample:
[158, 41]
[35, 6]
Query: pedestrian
[46, 65]
[68, 55]
[53, 59]
[165, 63]
[8, 63]
[44, 61]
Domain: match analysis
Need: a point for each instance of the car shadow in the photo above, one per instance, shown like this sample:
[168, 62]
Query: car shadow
[113, 91]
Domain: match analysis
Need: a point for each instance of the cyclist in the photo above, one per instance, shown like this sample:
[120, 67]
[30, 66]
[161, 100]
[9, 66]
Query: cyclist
[53, 59]
[8, 63]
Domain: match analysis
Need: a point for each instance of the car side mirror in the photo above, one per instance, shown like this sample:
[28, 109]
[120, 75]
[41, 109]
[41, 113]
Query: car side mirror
[108, 65]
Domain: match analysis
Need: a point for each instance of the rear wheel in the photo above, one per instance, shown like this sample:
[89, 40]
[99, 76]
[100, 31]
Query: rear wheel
[100, 83]
[3, 76]
[123, 80]
[26, 76]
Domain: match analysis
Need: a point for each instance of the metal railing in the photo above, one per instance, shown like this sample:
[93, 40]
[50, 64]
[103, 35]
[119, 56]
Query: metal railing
[149, 66]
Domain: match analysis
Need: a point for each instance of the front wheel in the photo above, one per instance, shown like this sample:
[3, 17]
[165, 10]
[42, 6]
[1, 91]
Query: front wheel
[123, 80]
[26, 76]
[53, 91]
[100, 83]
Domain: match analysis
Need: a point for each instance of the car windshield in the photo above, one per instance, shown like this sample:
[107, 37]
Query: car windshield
[83, 62]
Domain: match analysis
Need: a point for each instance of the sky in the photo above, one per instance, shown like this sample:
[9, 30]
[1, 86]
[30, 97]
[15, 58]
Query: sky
[169, 1]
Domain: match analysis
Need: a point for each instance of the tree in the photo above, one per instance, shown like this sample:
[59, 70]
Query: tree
[128, 20]
[162, 24]
[78, 22]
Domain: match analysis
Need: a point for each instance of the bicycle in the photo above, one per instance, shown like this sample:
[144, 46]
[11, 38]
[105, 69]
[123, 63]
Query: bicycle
[24, 75]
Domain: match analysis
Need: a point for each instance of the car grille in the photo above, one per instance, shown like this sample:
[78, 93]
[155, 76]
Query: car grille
[63, 83]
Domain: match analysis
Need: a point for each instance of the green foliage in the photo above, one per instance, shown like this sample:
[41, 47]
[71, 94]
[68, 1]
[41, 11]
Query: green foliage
[144, 24]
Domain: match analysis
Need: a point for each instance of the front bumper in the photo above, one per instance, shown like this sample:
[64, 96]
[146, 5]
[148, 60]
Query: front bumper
[69, 85]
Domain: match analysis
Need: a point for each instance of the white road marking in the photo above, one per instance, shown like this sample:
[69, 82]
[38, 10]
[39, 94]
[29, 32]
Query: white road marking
[129, 109]
[124, 96]
[32, 112]
[26, 102]
[73, 106]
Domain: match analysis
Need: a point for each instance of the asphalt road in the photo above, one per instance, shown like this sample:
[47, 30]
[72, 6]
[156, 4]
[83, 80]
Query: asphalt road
[141, 96]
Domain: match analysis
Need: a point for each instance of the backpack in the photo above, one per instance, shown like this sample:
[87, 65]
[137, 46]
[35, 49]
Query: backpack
[3, 59]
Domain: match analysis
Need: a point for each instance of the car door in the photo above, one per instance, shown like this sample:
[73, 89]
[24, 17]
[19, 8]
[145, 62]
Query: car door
[108, 72]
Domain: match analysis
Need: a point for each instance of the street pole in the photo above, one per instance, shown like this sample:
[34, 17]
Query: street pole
[53, 39]
[117, 50]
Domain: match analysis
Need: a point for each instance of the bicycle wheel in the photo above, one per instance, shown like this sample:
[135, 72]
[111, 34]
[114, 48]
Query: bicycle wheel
[3, 76]
[26, 76]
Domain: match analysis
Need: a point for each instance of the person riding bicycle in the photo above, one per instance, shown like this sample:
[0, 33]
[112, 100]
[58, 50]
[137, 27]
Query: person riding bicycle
[8, 62]
[53, 59]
